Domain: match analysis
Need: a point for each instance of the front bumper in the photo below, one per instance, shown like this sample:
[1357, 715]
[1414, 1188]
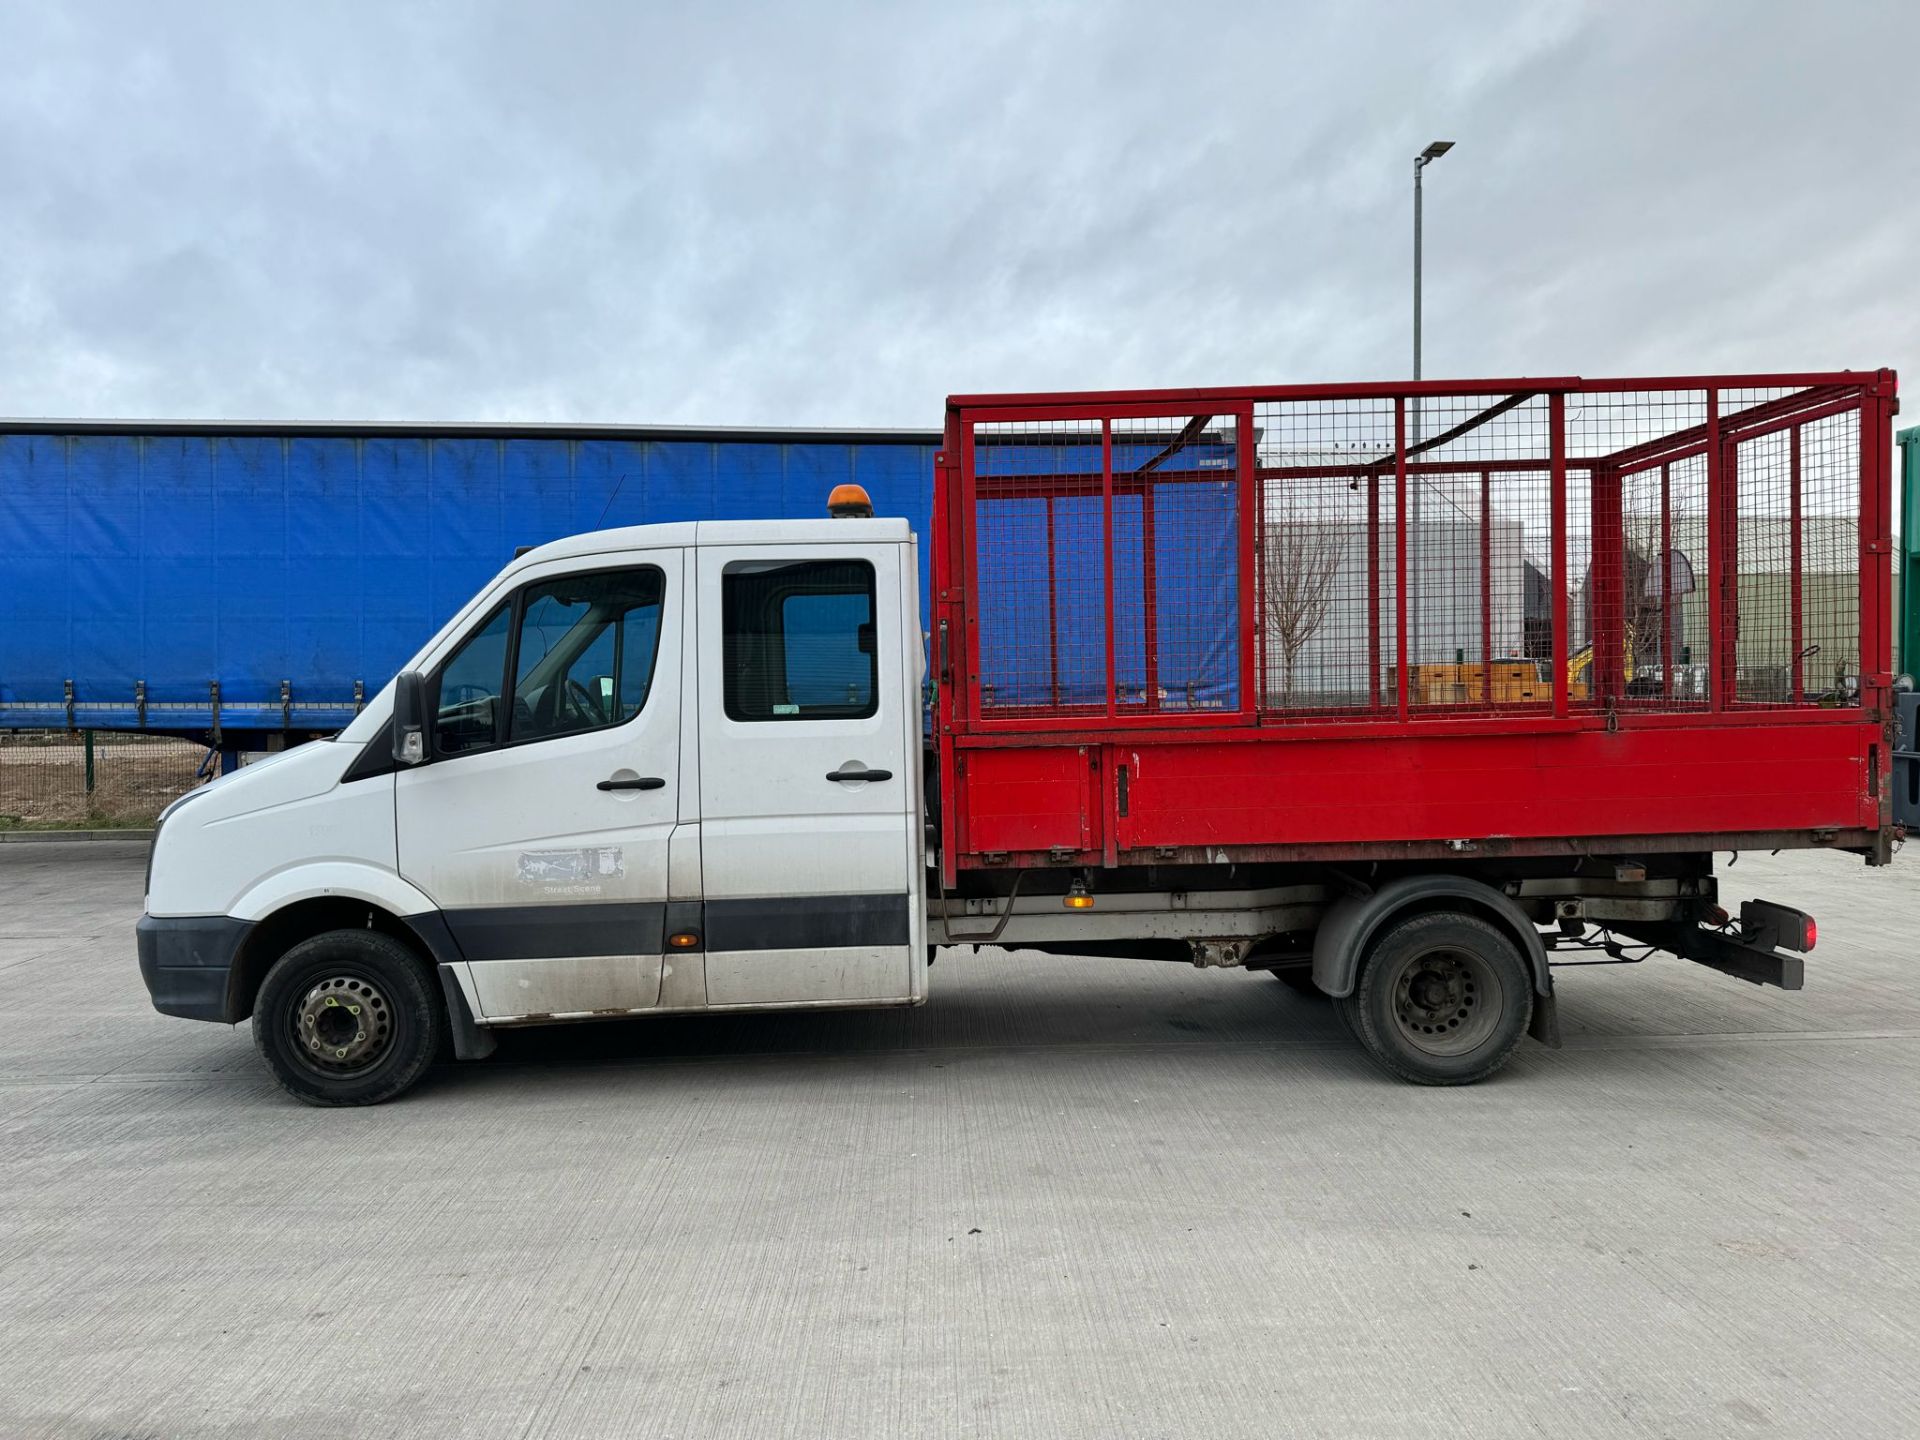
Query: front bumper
[188, 963]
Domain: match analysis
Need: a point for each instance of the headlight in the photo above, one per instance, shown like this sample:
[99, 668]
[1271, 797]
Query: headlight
[146, 885]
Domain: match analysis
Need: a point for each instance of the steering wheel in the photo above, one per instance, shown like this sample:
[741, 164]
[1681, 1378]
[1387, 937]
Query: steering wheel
[585, 703]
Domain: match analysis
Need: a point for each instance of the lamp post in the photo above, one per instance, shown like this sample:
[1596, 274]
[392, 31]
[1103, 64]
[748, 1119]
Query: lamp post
[1420, 162]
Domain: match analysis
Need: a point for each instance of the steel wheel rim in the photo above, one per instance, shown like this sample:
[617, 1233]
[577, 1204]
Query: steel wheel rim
[1445, 1001]
[343, 1026]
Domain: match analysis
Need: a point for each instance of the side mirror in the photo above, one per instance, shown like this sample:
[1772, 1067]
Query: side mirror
[409, 718]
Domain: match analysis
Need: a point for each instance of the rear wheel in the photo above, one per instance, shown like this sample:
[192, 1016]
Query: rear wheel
[1442, 999]
[347, 1018]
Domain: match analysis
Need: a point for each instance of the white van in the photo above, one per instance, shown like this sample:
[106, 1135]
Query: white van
[665, 768]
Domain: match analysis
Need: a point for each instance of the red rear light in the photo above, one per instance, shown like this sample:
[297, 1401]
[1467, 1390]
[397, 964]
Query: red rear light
[1765, 923]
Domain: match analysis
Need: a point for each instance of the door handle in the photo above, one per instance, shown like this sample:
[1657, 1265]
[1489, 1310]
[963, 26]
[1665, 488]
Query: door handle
[860, 775]
[639, 782]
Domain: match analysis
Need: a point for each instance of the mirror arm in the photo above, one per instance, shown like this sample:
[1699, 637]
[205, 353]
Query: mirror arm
[409, 718]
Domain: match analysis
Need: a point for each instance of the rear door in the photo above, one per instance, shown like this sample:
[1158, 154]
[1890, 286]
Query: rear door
[541, 824]
[809, 739]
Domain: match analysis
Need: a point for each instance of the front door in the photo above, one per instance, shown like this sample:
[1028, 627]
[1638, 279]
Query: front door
[809, 860]
[541, 823]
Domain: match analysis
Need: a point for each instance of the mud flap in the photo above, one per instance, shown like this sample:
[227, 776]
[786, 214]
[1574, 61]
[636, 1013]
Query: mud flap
[470, 1041]
[1545, 1024]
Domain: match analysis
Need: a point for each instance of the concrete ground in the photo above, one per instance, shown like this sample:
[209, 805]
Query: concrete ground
[1069, 1198]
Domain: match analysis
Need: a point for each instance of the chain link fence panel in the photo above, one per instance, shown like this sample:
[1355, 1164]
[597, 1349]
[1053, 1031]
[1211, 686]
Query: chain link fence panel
[72, 780]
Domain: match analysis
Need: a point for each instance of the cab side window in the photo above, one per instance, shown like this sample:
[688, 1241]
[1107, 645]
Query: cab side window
[585, 654]
[798, 640]
[562, 657]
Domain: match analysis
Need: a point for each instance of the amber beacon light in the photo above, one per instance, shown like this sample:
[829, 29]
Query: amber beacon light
[849, 501]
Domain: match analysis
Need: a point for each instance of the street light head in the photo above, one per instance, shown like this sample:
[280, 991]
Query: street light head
[1435, 151]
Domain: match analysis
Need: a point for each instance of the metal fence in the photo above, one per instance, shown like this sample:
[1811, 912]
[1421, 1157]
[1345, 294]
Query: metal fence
[83, 779]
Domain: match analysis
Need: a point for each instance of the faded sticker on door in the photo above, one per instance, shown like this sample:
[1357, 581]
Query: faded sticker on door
[573, 870]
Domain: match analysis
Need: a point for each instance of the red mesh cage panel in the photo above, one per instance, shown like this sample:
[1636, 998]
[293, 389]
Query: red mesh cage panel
[1823, 599]
[1175, 563]
[1637, 539]
[1763, 628]
[1107, 567]
[1480, 558]
[1662, 562]
[1325, 559]
[1475, 552]
[1798, 623]
[1040, 557]
[1726, 553]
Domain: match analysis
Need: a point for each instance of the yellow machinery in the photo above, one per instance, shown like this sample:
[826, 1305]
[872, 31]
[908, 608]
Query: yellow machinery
[1580, 668]
[1514, 682]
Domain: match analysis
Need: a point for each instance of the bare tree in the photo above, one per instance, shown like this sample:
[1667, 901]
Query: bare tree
[1302, 552]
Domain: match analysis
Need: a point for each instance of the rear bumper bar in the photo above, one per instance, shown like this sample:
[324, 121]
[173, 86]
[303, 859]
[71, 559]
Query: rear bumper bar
[1716, 949]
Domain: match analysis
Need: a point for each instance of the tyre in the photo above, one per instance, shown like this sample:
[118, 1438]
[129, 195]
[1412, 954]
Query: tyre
[1442, 999]
[350, 1017]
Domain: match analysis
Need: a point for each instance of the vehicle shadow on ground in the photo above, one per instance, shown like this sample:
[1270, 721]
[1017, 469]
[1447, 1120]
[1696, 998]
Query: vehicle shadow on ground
[1258, 1013]
[1253, 1021]
[1239, 1024]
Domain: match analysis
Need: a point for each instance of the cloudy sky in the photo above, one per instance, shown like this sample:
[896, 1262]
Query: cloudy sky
[834, 213]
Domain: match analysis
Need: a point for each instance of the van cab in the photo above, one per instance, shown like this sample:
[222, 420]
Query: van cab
[655, 769]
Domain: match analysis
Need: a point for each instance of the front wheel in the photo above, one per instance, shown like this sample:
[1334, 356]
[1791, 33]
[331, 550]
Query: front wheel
[1442, 999]
[347, 1018]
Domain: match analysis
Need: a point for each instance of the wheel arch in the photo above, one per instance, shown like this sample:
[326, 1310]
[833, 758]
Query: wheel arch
[1352, 922]
[330, 879]
[278, 931]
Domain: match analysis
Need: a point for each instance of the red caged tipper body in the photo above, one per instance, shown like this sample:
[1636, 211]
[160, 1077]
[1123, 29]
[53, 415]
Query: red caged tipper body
[1396, 622]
